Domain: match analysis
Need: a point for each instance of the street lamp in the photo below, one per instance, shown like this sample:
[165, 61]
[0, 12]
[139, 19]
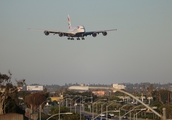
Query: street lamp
[102, 109]
[107, 109]
[71, 99]
[76, 104]
[134, 108]
[83, 98]
[80, 108]
[129, 111]
[70, 103]
[40, 107]
[143, 109]
[59, 108]
[67, 113]
[93, 106]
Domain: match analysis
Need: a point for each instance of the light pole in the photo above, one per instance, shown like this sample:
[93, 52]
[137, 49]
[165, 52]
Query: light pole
[120, 111]
[140, 111]
[107, 109]
[40, 107]
[83, 98]
[69, 97]
[129, 111]
[75, 104]
[71, 102]
[80, 108]
[59, 110]
[67, 113]
[102, 109]
[93, 106]
[93, 110]
[134, 108]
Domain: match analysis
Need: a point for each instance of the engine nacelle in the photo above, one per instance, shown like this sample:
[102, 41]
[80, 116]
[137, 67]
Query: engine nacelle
[104, 33]
[46, 33]
[94, 34]
[61, 34]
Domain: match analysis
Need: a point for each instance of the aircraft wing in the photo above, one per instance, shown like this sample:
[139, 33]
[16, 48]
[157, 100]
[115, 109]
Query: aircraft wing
[74, 34]
[94, 33]
[58, 32]
[47, 32]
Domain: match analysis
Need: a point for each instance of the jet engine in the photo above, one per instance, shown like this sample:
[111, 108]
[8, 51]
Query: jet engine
[61, 34]
[104, 33]
[94, 34]
[46, 33]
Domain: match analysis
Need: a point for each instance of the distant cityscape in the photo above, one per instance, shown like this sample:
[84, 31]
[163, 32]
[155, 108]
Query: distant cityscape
[139, 87]
[81, 99]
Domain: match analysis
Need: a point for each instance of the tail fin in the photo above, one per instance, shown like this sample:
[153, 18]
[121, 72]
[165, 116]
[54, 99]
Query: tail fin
[69, 23]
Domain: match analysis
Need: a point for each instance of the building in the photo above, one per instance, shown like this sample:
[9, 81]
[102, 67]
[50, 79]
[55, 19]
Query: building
[99, 93]
[86, 88]
[35, 88]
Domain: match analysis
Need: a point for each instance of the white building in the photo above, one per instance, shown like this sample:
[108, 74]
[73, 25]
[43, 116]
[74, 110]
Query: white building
[35, 88]
[86, 88]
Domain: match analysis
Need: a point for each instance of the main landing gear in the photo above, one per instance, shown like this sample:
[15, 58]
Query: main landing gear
[77, 38]
[70, 38]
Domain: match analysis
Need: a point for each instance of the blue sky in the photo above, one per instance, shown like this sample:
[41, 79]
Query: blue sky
[139, 51]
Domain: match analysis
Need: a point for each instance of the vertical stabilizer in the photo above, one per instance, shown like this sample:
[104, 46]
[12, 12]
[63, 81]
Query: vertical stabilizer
[69, 23]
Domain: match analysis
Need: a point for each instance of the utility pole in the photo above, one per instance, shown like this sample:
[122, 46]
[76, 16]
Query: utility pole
[80, 107]
[59, 110]
[164, 113]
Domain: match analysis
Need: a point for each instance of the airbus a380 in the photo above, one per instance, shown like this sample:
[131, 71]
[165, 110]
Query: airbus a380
[78, 32]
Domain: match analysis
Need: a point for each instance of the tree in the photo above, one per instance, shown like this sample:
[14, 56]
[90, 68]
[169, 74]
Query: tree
[160, 102]
[34, 100]
[162, 96]
[62, 90]
[168, 110]
[150, 90]
[8, 95]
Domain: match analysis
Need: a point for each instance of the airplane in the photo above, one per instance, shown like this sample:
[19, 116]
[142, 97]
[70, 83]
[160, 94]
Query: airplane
[78, 31]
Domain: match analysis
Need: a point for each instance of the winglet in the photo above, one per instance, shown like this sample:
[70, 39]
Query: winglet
[69, 23]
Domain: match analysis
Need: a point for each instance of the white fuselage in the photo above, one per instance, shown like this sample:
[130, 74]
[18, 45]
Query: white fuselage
[77, 29]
